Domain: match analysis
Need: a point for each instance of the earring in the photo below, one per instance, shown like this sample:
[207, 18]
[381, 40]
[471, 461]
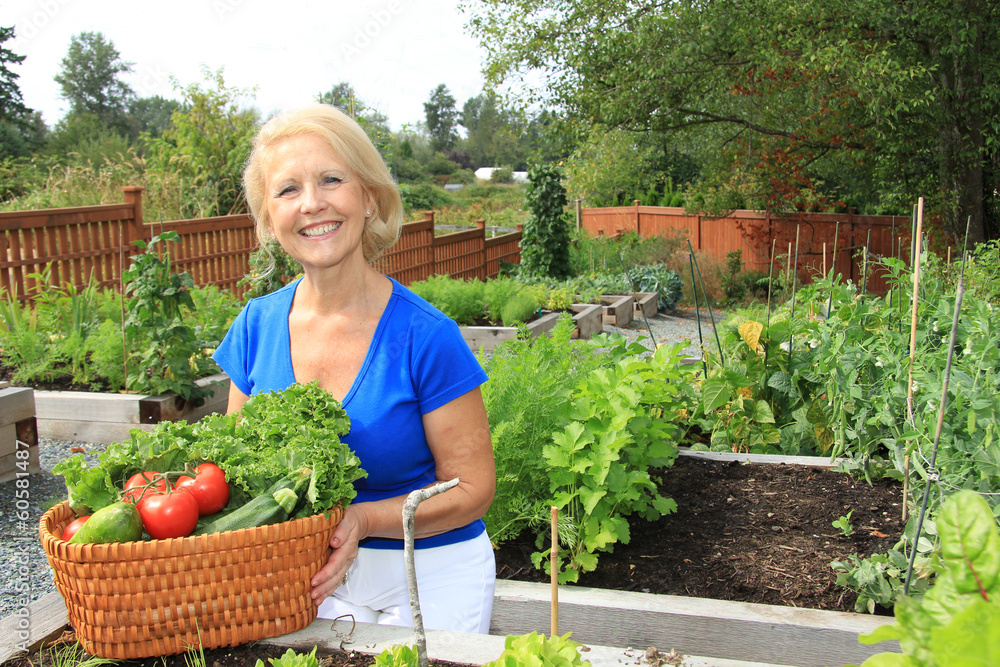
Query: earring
[368, 213]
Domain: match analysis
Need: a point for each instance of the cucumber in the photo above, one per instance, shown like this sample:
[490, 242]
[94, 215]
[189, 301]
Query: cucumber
[118, 522]
[273, 506]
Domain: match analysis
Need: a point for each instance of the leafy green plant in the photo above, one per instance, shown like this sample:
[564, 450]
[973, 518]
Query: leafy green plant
[400, 655]
[844, 525]
[161, 344]
[879, 578]
[72, 655]
[271, 268]
[622, 424]
[545, 240]
[461, 300]
[292, 658]
[519, 308]
[536, 650]
[957, 622]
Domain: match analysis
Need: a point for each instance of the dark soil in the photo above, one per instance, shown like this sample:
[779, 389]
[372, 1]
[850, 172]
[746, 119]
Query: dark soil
[743, 532]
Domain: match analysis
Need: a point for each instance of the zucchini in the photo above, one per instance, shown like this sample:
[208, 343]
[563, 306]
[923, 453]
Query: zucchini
[273, 506]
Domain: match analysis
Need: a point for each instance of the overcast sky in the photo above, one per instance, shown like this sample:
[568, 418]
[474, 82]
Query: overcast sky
[394, 52]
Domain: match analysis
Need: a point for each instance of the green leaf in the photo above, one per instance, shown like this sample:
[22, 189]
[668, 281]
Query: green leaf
[972, 639]
[714, 394]
[970, 544]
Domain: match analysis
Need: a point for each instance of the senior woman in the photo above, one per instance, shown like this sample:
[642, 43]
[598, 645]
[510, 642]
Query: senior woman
[316, 184]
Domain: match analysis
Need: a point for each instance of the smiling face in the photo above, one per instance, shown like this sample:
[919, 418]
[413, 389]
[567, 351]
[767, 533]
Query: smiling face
[315, 203]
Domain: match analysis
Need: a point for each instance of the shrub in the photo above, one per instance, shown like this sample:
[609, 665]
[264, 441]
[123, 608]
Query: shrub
[545, 243]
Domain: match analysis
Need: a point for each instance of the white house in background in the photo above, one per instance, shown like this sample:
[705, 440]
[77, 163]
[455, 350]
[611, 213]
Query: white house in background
[486, 174]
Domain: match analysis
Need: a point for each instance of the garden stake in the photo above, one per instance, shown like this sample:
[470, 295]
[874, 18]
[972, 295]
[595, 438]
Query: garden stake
[554, 571]
[409, 512]
[913, 343]
[824, 258]
[635, 295]
[697, 312]
[722, 357]
[932, 473]
[833, 269]
[795, 280]
[864, 274]
[770, 275]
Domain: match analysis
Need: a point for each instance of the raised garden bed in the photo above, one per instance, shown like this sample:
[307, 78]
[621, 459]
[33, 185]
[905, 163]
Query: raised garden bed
[587, 319]
[106, 418]
[618, 309]
[18, 433]
[646, 304]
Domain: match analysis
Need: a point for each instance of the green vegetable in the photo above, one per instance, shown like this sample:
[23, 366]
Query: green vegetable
[274, 435]
[292, 659]
[958, 621]
[273, 506]
[118, 522]
[536, 649]
[400, 655]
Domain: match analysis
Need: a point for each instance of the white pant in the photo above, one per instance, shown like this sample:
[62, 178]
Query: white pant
[455, 583]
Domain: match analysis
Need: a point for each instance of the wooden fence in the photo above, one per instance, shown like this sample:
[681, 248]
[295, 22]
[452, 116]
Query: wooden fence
[755, 233]
[76, 244]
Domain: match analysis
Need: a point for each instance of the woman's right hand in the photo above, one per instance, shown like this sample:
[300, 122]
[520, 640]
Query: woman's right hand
[344, 542]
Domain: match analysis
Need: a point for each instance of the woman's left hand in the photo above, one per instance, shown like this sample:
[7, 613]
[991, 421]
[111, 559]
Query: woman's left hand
[344, 542]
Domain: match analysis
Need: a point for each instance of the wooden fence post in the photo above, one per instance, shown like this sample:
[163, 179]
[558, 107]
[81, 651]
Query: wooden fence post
[579, 214]
[429, 215]
[637, 230]
[481, 225]
[134, 229]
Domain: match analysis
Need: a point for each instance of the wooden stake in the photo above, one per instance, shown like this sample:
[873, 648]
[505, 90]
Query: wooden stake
[554, 571]
[913, 343]
[824, 258]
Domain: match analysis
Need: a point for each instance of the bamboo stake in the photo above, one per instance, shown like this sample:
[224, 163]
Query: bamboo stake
[697, 311]
[708, 305]
[833, 269]
[824, 258]
[409, 520]
[770, 276]
[795, 276]
[554, 571]
[788, 266]
[931, 472]
[913, 343]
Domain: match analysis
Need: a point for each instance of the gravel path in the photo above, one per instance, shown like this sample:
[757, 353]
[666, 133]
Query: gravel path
[19, 544]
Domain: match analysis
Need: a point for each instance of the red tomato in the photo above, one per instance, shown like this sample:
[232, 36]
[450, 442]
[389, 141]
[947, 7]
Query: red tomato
[170, 514]
[141, 485]
[74, 526]
[208, 486]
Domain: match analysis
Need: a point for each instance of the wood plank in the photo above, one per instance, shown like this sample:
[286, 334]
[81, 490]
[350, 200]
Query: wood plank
[16, 403]
[458, 648]
[87, 406]
[96, 432]
[617, 309]
[32, 624]
[696, 626]
[818, 461]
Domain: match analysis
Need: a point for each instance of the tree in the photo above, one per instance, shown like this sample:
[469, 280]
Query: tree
[152, 114]
[11, 103]
[442, 118]
[374, 123]
[207, 143]
[91, 80]
[801, 103]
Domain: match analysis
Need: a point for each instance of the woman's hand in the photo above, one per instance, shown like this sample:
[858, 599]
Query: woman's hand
[351, 530]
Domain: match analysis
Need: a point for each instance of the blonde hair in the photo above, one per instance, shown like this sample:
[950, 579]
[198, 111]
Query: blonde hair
[352, 145]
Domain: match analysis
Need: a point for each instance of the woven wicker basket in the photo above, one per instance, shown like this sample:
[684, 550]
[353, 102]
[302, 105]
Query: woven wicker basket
[162, 597]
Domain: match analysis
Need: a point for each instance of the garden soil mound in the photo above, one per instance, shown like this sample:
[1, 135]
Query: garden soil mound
[743, 532]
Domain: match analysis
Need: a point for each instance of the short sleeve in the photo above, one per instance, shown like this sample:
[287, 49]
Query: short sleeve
[232, 353]
[445, 368]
